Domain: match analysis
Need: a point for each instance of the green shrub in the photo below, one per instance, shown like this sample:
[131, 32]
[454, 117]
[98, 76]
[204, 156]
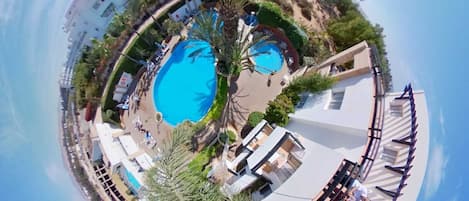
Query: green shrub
[111, 116]
[219, 102]
[286, 6]
[255, 118]
[172, 27]
[199, 126]
[230, 135]
[311, 83]
[199, 164]
[278, 110]
[353, 28]
[270, 14]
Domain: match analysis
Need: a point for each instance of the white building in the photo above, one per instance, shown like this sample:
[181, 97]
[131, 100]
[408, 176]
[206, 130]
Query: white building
[186, 11]
[352, 131]
[121, 155]
[85, 20]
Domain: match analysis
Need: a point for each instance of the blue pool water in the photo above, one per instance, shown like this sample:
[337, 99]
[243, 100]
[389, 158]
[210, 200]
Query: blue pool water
[185, 86]
[269, 62]
[135, 185]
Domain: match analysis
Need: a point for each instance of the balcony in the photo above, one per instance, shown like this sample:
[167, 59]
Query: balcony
[283, 163]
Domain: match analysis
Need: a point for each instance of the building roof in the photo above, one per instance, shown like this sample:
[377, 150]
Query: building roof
[355, 110]
[318, 166]
[350, 146]
[111, 148]
[128, 144]
[145, 161]
[252, 134]
[263, 151]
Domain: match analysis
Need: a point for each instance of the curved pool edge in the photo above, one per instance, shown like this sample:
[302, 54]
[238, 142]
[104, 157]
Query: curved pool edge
[152, 94]
[266, 70]
[157, 73]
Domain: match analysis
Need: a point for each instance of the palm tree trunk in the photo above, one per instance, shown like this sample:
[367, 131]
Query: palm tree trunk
[143, 38]
[130, 58]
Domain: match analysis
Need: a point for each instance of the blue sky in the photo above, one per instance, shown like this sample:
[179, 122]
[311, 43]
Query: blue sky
[428, 43]
[32, 52]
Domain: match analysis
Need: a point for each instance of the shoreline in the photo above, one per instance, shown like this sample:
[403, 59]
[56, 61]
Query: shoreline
[66, 160]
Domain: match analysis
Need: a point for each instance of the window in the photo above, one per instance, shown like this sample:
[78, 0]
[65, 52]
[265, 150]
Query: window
[336, 100]
[109, 10]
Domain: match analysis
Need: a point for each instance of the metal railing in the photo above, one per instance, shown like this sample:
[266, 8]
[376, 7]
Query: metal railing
[376, 126]
[410, 141]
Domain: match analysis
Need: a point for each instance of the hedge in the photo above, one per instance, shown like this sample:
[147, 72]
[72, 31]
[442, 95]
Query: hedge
[219, 102]
[270, 14]
[139, 50]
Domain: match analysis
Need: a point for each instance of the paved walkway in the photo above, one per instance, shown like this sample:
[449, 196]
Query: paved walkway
[145, 109]
[250, 93]
[149, 21]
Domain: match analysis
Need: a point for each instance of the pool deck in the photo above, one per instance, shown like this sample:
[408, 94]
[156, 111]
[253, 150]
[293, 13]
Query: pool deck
[145, 109]
[251, 93]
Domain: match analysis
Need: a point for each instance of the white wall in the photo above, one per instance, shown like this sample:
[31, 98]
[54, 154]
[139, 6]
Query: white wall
[85, 22]
[355, 112]
[334, 138]
[184, 11]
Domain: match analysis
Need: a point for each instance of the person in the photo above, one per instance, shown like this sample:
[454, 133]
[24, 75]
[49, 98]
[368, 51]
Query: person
[269, 80]
[358, 192]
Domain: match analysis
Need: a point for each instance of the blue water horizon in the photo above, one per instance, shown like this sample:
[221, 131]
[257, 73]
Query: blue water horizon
[32, 54]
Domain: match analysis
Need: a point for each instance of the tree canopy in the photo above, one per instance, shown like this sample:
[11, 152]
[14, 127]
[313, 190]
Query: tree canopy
[352, 28]
[169, 180]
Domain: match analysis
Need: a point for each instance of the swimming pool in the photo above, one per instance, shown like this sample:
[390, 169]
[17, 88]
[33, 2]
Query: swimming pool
[269, 62]
[133, 181]
[185, 87]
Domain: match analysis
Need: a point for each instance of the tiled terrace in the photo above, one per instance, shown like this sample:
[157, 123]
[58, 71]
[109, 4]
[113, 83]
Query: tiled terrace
[396, 154]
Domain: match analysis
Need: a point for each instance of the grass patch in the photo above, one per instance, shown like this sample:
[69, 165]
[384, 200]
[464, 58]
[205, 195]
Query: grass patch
[138, 49]
[200, 164]
[219, 102]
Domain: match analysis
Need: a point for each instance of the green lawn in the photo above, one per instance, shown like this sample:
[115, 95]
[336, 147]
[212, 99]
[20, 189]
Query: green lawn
[139, 50]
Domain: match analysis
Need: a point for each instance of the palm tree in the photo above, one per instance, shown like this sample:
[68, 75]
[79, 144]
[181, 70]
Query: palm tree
[231, 58]
[141, 6]
[169, 180]
[101, 52]
[230, 13]
[232, 54]
[125, 19]
[172, 27]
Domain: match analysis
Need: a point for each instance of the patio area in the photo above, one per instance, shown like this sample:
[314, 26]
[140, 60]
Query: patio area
[251, 92]
[142, 110]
